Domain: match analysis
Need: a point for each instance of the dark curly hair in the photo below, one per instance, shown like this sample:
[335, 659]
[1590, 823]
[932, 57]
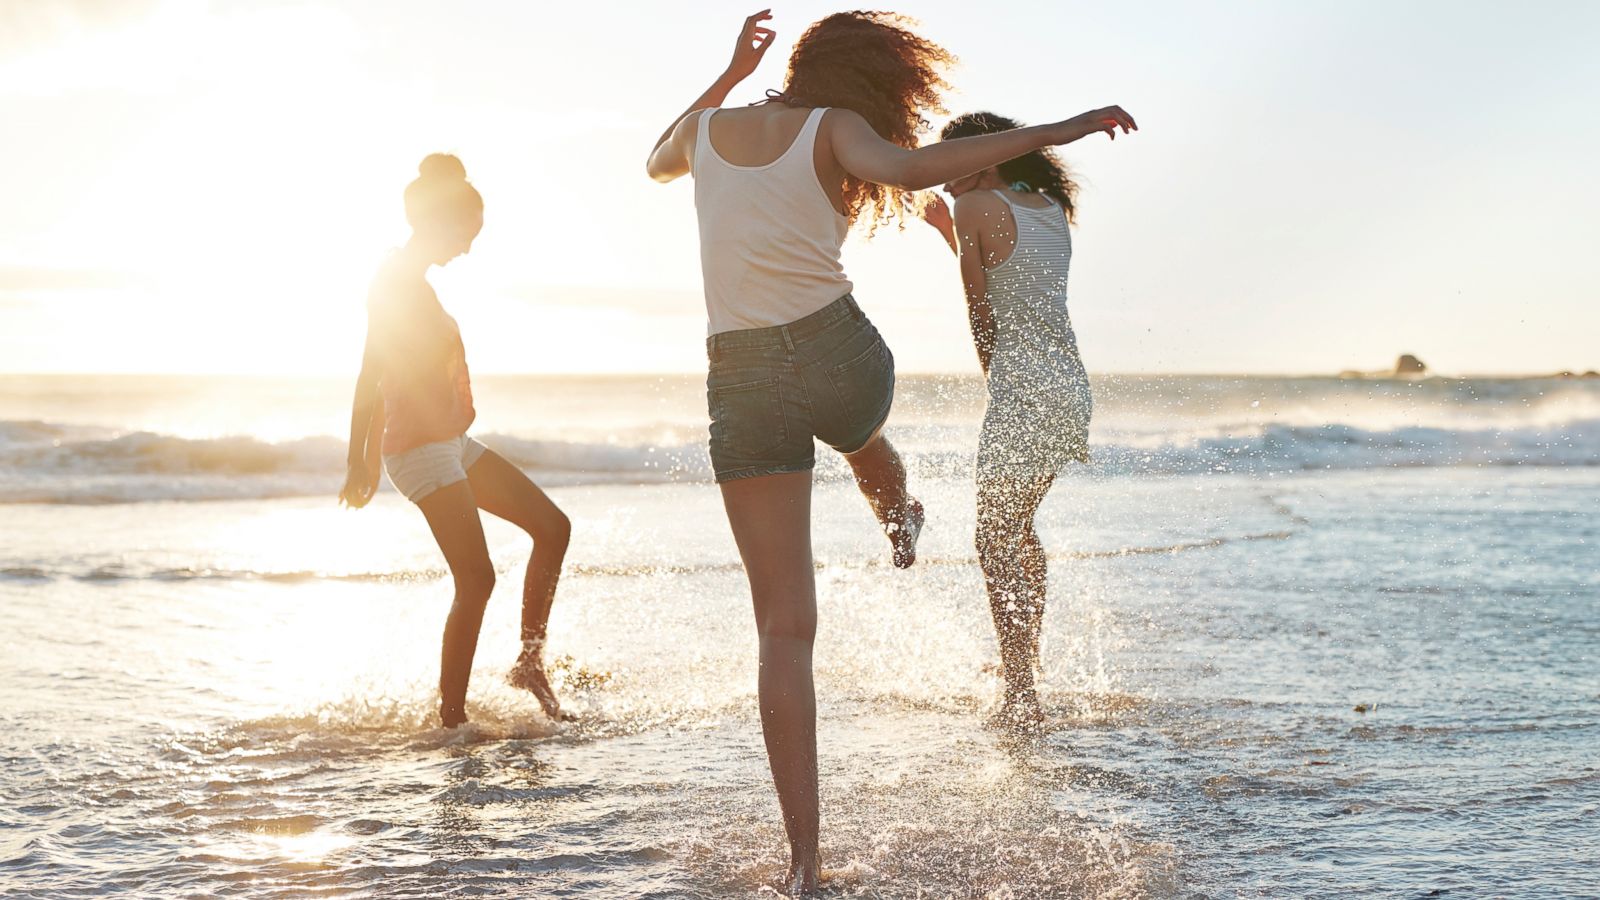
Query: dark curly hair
[1040, 170]
[873, 64]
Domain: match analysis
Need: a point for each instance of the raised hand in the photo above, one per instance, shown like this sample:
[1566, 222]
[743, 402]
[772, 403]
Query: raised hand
[753, 43]
[1108, 120]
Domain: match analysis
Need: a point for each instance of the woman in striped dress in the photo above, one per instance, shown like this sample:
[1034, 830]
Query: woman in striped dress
[1010, 230]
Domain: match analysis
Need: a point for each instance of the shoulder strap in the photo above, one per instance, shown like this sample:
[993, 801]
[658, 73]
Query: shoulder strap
[702, 135]
[807, 137]
[1066, 222]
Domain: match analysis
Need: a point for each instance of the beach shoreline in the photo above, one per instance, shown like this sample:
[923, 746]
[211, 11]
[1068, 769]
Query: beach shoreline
[1203, 673]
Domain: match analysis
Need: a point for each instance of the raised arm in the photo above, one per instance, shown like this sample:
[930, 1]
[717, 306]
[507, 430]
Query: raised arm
[669, 159]
[365, 463]
[970, 217]
[869, 157]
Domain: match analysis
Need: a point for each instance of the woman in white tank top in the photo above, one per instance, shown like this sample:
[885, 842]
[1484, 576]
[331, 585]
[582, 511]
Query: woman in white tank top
[792, 357]
[1010, 230]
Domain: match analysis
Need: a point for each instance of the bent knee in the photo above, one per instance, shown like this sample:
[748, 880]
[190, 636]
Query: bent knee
[476, 581]
[554, 532]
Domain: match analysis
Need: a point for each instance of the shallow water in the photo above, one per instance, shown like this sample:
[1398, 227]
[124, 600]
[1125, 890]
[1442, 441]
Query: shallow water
[1262, 682]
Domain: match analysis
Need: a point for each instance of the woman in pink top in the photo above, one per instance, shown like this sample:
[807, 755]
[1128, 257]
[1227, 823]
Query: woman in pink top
[792, 356]
[413, 405]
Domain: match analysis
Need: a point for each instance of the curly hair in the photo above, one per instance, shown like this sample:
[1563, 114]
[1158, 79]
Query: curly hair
[871, 63]
[1041, 170]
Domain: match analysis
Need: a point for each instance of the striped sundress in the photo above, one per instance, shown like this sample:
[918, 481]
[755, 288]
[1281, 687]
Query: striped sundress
[1039, 401]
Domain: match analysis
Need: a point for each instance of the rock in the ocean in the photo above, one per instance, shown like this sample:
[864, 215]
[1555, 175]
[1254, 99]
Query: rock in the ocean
[1409, 365]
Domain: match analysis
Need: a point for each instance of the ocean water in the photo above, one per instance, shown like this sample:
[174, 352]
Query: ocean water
[1306, 637]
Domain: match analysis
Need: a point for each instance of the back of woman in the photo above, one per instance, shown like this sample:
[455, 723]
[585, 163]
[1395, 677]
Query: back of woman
[791, 355]
[1035, 355]
[1011, 233]
[769, 235]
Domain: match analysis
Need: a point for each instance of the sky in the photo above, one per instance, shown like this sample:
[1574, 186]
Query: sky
[1317, 185]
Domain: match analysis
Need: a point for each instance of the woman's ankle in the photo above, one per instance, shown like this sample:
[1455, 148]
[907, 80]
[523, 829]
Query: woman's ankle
[803, 862]
[452, 714]
[532, 650]
[1021, 689]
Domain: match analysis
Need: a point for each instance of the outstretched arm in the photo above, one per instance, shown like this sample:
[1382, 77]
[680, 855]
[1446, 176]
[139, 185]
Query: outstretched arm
[669, 159]
[869, 157]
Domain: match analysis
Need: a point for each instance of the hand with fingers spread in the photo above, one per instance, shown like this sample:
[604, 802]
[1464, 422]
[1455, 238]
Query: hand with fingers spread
[753, 43]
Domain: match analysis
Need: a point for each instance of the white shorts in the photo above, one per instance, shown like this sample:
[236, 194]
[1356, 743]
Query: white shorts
[422, 470]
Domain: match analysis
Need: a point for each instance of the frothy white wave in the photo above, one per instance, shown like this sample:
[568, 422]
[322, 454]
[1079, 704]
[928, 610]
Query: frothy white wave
[1264, 448]
[41, 462]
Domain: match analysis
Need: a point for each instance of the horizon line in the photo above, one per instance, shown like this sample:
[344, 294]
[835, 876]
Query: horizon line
[1350, 374]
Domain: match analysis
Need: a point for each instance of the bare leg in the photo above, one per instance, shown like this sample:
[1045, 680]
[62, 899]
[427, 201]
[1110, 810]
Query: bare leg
[881, 476]
[452, 514]
[502, 489]
[1014, 570]
[771, 520]
[1034, 570]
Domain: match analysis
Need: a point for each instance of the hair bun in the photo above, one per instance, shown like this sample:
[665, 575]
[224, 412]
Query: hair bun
[442, 167]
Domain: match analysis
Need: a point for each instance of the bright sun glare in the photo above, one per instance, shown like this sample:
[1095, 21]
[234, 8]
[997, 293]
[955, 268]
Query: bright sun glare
[245, 231]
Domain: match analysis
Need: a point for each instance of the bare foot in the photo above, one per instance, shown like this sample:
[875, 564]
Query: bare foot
[528, 674]
[452, 716]
[804, 879]
[1019, 715]
[903, 534]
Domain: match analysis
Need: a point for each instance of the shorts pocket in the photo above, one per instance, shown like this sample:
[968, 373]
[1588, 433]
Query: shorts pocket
[747, 419]
[865, 383]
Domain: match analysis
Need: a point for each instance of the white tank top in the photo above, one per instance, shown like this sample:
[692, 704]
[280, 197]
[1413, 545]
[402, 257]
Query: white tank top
[769, 236]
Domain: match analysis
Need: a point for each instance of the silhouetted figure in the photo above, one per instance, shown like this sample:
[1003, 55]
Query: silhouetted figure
[792, 357]
[413, 405]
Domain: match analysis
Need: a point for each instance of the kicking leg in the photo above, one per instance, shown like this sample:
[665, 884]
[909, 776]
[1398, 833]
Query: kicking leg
[881, 476]
[503, 490]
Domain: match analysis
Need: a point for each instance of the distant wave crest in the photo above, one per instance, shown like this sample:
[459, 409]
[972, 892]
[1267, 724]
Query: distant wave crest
[42, 462]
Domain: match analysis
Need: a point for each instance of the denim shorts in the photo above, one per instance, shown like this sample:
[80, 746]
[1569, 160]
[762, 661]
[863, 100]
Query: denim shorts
[422, 470]
[771, 390]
